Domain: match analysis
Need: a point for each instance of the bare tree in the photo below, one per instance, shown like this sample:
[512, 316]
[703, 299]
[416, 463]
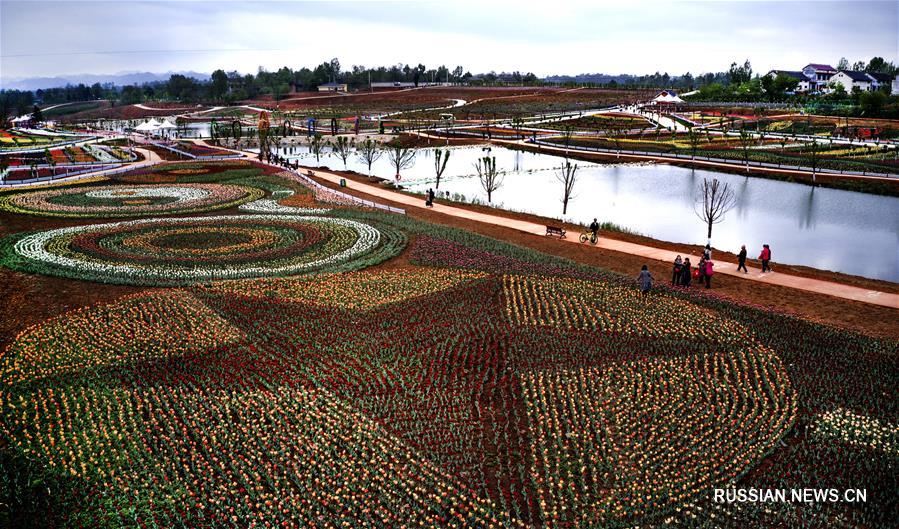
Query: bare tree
[694, 139]
[567, 133]
[401, 158]
[440, 159]
[814, 156]
[490, 178]
[713, 201]
[567, 176]
[317, 146]
[614, 130]
[745, 143]
[343, 147]
[369, 152]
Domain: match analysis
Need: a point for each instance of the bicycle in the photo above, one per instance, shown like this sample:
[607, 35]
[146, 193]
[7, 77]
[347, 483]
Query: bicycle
[589, 235]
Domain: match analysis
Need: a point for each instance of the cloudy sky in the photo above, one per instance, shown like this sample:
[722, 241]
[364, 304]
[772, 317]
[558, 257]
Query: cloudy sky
[39, 38]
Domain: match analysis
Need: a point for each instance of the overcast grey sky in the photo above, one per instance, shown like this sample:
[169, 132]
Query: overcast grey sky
[39, 38]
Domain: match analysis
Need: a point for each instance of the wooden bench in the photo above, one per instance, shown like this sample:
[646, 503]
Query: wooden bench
[556, 230]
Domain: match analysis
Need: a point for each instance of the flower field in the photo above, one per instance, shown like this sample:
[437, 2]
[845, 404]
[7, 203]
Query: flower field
[131, 201]
[193, 249]
[298, 364]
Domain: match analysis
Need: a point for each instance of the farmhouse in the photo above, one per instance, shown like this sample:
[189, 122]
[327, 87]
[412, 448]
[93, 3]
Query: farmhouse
[804, 82]
[332, 87]
[851, 80]
[819, 75]
[880, 80]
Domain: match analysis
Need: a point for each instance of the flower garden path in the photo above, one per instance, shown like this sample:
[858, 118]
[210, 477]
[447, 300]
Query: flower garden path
[811, 285]
[150, 158]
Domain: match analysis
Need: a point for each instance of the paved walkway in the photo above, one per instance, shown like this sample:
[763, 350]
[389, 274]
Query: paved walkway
[150, 158]
[817, 286]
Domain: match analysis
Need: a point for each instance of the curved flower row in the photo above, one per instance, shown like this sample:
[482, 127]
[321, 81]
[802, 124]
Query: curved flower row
[129, 201]
[54, 252]
[626, 440]
[146, 325]
[581, 304]
[218, 458]
[362, 290]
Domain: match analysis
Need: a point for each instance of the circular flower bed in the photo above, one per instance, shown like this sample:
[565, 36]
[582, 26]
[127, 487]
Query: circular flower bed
[195, 249]
[126, 201]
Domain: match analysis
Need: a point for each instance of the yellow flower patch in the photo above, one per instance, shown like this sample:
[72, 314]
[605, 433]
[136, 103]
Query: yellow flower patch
[585, 305]
[362, 290]
[145, 325]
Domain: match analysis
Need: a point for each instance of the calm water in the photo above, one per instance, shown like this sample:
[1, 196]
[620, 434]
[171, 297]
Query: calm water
[823, 228]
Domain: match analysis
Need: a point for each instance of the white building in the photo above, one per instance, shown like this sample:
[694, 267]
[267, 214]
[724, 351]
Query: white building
[895, 90]
[819, 75]
[880, 80]
[332, 87]
[804, 85]
[850, 80]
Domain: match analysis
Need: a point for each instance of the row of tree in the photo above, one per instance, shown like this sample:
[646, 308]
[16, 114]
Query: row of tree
[739, 84]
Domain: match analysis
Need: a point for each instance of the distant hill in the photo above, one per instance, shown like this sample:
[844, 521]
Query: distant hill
[598, 78]
[121, 79]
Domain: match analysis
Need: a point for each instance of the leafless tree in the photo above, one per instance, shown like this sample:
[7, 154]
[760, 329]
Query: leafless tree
[694, 138]
[343, 147]
[401, 158]
[369, 152]
[567, 176]
[713, 201]
[440, 159]
[567, 133]
[317, 146]
[490, 178]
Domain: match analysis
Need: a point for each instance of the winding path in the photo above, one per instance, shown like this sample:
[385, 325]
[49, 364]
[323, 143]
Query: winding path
[817, 286]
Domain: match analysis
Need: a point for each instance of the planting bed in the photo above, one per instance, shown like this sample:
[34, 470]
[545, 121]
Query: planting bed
[467, 383]
[128, 201]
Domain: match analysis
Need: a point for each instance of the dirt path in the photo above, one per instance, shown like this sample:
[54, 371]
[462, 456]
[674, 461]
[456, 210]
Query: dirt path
[848, 292]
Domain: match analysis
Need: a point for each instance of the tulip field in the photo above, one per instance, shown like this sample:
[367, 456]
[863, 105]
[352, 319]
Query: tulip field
[294, 362]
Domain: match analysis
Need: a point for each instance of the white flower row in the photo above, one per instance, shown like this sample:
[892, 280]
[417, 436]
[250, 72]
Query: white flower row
[859, 430]
[270, 205]
[180, 193]
[34, 248]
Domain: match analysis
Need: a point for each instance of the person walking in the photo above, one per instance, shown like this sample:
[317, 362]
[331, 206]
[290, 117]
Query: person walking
[765, 257]
[741, 260]
[686, 273]
[709, 272]
[678, 266]
[645, 279]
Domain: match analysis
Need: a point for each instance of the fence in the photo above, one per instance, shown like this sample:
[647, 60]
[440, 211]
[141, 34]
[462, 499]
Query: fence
[737, 164]
[312, 183]
[194, 156]
[60, 177]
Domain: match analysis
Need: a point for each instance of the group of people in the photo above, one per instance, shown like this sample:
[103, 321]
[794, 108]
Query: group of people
[684, 272]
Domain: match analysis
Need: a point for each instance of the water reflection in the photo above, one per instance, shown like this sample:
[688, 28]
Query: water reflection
[824, 228]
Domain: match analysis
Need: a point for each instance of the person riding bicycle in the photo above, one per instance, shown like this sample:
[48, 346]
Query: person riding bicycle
[594, 228]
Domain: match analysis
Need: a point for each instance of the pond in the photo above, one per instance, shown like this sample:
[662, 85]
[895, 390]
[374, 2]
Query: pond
[828, 229]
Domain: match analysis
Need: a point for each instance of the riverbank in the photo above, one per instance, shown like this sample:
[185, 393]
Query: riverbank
[871, 185]
[863, 317]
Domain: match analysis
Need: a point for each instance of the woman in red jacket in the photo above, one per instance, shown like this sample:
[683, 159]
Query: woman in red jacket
[709, 272]
[765, 257]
